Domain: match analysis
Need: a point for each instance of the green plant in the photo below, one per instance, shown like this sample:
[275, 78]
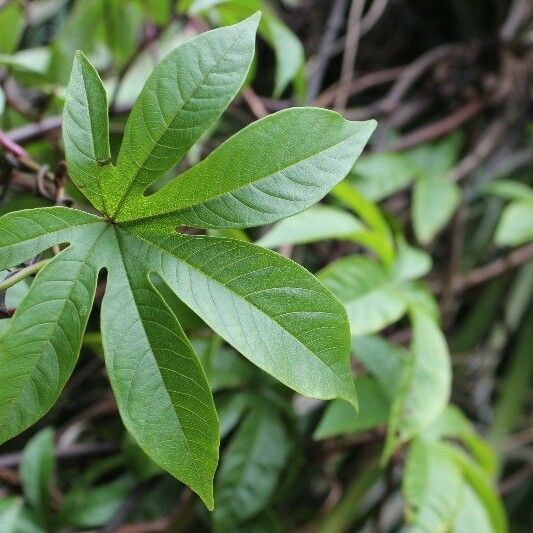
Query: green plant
[272, 310]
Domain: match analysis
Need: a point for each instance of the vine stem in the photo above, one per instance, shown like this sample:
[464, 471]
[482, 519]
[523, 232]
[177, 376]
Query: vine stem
[21, 274]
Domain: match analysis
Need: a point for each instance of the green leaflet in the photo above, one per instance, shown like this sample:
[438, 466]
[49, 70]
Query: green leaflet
[425, 385]
[151, 363]
[516, 223]
[40, 349]
[317, 223]
[432, 486]
[251, 467]
[269, 308]
[371, 296]
[261, 174]
[339, 419]
[86, 131]
[36, 472]
[182, 98]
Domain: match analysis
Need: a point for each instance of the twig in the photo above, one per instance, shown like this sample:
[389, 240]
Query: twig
[11, 146]
[496, 268]
[439, 128]
[367, 23]
[35, 130]
[254, 103]
[489, 140]
[413, 72]
[362, 83]
[374, 14]
[319, 65]
[128, 505]
[518, 15]
[76, 451]
[516, 479]
[350, 53]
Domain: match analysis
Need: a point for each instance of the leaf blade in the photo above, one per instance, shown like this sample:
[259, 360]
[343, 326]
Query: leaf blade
[260, 174]
[166, 406]
[86, 131]
[26, 233]
[167, 119]
[273, 294]
[33, 378]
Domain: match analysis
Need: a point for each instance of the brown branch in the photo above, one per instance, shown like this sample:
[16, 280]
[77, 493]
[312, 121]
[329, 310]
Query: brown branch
[498, 267]
[366, 81]
[75, 451]
[439, 128]
[350, 53]
[254, 103]
[493, 270]
[320, 63]
[413, 72]
[520, 12]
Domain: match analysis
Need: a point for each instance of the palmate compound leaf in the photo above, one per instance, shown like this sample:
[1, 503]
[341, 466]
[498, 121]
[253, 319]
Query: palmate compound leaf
[271, 309]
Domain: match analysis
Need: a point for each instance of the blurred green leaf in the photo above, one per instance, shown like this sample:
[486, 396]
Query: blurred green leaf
[453, 424]
[378, 176]
[434, 202]
[411, 262]
[472, 516]
[317, 223]
[516, 224]
[425, 385]
[481, 485]
[432, 486]
[11, 26]
[10, 509]
[36, 473]
[250, 468]
[384, 360]
[339, 417]
[371, 297]
[510, 190]
[380, 239]
[95, 506]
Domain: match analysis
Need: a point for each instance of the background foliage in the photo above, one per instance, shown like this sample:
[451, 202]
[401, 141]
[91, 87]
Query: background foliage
[427, 243]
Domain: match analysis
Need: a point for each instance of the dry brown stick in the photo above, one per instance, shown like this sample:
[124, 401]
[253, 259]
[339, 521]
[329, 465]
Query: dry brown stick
[492, 270]
[516, 479]
[36, 130]
[413, 72]
[254, 103]
[366, 81]
[350, 53]
[439, 128]
[484, 147]
[367, 23]
[75, 451]
[374, 14]
[320, 62]
[518, 15]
